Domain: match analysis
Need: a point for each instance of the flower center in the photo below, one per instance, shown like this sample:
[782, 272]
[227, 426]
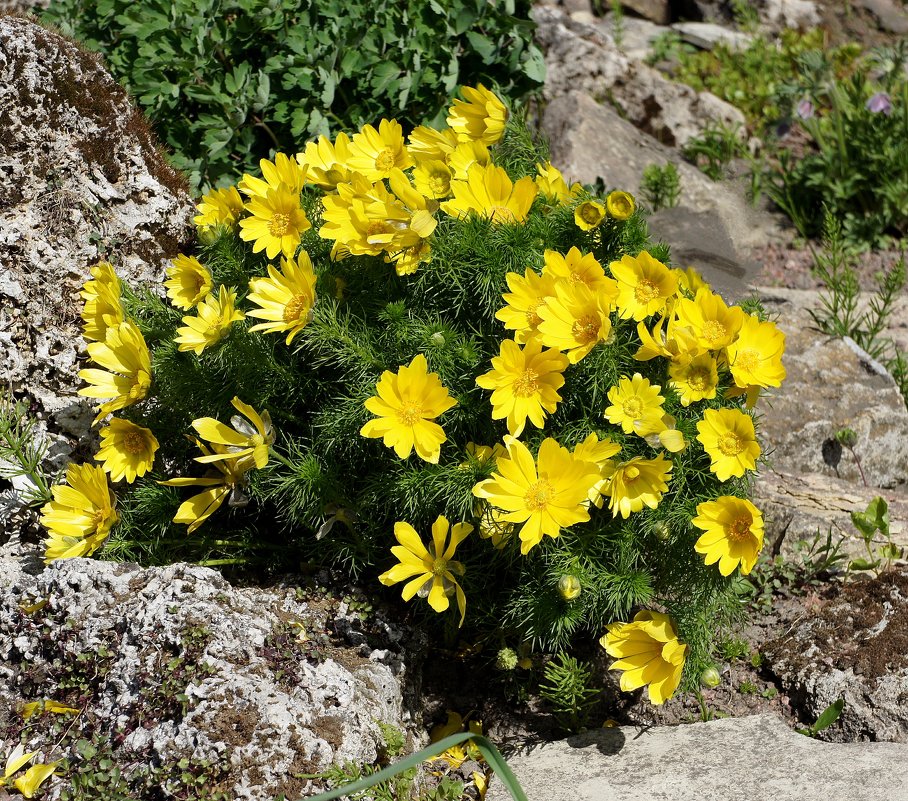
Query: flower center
[377, 227]
[739, 528]
[384, 161]
[714, 331]
[501, 214]
[633, 407]
[527, 384]
[586, 329]
[439, 566]
[730, 444]
[134, 442]
[590, 214]
[296, 307]
[748, 359]
[410, 413]
[279, 224]
[631, 473]
[533, 319]
[539, 495]
[698, 379]
[98, 518]
[645, 291]
[440, 184]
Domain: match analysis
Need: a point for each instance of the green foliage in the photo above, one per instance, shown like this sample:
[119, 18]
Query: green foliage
[827, 717]
[569, 691]
[226, 82]
[870, 523]
[617, 28]
[661, 186]
[668, 46]
[714, 149]
[22, 452]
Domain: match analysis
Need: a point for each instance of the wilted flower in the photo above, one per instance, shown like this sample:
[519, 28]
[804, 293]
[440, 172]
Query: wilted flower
[804, 109]
[880, 103]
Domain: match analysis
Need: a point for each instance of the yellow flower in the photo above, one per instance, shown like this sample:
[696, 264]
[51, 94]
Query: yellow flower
[428, 144]
[189, 284]
[125, 354]
[636, 483]
[552, 186]
[374, 154]
[620, 205]
[480, 115]
[489, 192]
[407, 261]
[528, 293]
[127, 450]
[712, 322]
[251, 438]
[575, 320]
[545, 497]
[326, 163]
[37, 707]
[483, 453]
[492, 524]
[525, 383]
[636, 405]
[695, 379]
[649, 653]
[33, 778]
[213, 320]
[576, 267]
[734, 533]
[431, 570]
[755, 357]
[728, 436]
[80, 516]
[589, 215]
[285, 298]
[406, 404]
[276, 224]
[644, 285]
[433, 178]
[597, 452]
[219, 207]
[282, 173]
[103, 307]
[668, 339]
[465, 155]
[690, 280]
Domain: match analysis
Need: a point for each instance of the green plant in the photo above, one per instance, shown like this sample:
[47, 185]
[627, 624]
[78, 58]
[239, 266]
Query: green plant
[618, 23]
[226, 82]
[668, 46]
[747, 688]
[568, 690]
[714, 149]
[872, 521]
[733, 648]
[747, 18]
[661, 185]
[22, 452]
[828, 716]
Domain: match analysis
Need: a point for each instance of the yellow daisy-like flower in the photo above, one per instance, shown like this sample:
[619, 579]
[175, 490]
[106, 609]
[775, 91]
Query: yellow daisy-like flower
[575, 320]
[733, 533]
[465, 155]
[620, 205]
[755, 357]
[428, 144]
[80, 516]
[189, 284]
[712, 322]
[636, 483]
[374, 153]
[589, 215]
[552, 186]
[488, 192]
[636, 405]
[524, 383]
[127, 450]
[103, 307]
[282, 173]
[545, 495]
[528, 293]
[575, 267]
[431, 570]
[728, 436]
[212, 322]
[406, 405]
[407, 261]
[433, 179]
[326, 162]
[277, 222]
[695, 379]
[492, 524]
[649, 654]
[219, 207]
[125, 355]
[668, 339]
[285, 298]
[479, 116]
[644, 285]
[483, 453]
[597, 452]
[250, 437]
[690, 281]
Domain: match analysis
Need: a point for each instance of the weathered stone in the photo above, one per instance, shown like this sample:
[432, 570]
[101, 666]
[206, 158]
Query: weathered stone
[831, 384]
[658, 11]
[706, 35]
[890, 16]
[708, 10]
[637, 35]
[735, 759]
[779, 14]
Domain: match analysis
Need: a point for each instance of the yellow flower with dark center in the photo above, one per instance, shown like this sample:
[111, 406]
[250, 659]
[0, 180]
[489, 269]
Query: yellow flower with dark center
[528, 293]
[733, 533]
[649, 654]
[552, 186]
[250, 437]
[695, 379]
[728, 436]
[103, 307]
[189, 284]
[428, 144]
[479, 116]
[214, 317]
[575, 320]
[465, 155]
[636, 405]
[575, 267]
[545, 495]
[277, 222]
[81, 514]
[711, 321]
[620, 205]
[636, 483]
[127, 450]
[125, 355]
[219, 207]
[374, 153]
[644, 285]
[433, 179]
[589, 215]
[326, 162]
[285, 298]
[406, 405]
[755, 357]
[431, 571]
[524, 383]
[488, 192]
[282, 173]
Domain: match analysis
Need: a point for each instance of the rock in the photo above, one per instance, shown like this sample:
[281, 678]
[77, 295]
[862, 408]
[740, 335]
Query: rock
[174, 663]
[82, 179]
[779, 14]
[890, 15]
[657, 11]
[831, 384]
[734, 759]
[852, 645]
[637, 35]
[700, 10]
[706, 35]
[577, 6]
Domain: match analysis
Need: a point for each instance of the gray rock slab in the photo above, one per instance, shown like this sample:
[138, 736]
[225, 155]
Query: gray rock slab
[735, 759]
[658, 11]
[890, 15]
[706, 35]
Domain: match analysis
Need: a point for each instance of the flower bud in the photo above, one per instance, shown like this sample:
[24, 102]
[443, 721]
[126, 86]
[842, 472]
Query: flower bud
[438, 339]
[662, 530]
[506, 659]
[569, 587]
[710, 677]
[847, 437]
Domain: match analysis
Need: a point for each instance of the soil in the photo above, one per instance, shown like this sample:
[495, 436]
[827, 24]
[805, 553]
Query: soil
[789, 265]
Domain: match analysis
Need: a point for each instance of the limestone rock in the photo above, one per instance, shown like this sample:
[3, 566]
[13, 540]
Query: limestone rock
[891, 16]
[658, 11]
[779, 14]
[706, 35]
[174, 663]
[734, 759]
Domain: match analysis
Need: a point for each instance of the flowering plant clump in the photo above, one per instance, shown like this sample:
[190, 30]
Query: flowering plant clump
[426, 360]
